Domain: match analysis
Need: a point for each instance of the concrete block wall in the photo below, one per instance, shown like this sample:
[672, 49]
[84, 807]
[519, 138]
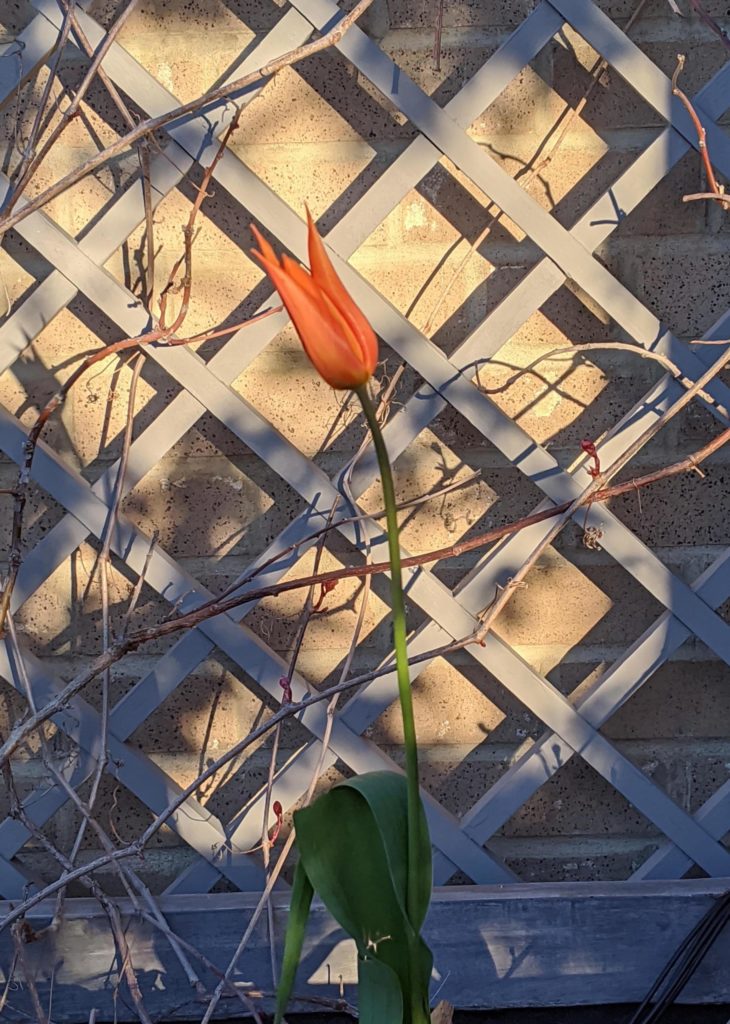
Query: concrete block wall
[320, 134]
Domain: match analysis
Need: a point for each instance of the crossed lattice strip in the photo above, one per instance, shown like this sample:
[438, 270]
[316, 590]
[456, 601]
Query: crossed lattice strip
[447, 383]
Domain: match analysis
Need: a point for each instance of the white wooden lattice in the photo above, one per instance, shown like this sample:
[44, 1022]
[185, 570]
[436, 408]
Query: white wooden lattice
[571, 728]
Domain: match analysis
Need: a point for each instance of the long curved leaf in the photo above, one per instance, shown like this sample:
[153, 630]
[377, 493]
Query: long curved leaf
[352, 843]
[301, 899]
[379, 997]
[386, 795]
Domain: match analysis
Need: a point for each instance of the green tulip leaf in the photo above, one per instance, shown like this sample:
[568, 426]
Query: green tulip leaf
[301, 898]
[352, 844]
[386, 795]
[379, 996]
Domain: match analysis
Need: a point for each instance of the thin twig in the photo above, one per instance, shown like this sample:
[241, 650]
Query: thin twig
[103, 564]
[574, 351]
[699, 127]
[153, 124]
[137, 638]
[438, 33]
[67, 114]
[139, 583]
[143, 151]
[19, 943]
[720, 197]
[264, 901]
[29, 149]
[8, 982]
[711, 23]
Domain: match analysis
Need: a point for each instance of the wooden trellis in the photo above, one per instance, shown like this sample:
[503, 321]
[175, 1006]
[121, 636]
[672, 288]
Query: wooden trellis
[571, 728]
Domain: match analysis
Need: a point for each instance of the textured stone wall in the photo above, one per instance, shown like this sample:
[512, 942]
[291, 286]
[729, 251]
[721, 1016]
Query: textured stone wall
[320, 134]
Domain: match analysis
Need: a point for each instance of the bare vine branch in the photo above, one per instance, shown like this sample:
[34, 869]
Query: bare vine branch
[136, 638]
[154, 124]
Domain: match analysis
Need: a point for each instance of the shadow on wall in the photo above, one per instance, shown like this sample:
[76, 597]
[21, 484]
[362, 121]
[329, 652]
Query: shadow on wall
[215, 504]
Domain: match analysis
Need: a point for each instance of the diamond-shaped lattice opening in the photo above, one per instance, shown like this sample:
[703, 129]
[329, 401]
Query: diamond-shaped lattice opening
[700, 498]
[13, 705]
[686, 698]
[451, 451]
[242, 791]
[227, 503]
[324, 92]
[687, 772]
[448, 287]
[612, 102]
[329, 631]
[281, 381]
[157, 44]
[576, 806]
[223, 274]
[33, 377]
[333, 175]
[20, 266]
[558, 388]
[123, 817]
[87, 429]
[207, 712]
[631, 607]
[102, 400]
[574, 604]
[691, 302]
[466, 719]
[84, 609]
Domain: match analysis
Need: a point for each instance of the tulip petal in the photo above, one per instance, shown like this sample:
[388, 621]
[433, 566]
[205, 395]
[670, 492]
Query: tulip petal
[330, 353]
[298, 273]
[322, 270]
[325, 276]
[336, 336]
[267, 251]
[301, 275]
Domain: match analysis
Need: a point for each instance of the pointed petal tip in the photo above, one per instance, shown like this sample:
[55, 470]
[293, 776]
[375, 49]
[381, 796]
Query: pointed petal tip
[265, 253]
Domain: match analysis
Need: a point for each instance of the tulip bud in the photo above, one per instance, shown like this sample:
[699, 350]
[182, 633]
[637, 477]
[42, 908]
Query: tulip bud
[338, 339]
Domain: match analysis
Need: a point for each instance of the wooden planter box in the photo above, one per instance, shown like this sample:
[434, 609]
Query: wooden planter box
[510, 946]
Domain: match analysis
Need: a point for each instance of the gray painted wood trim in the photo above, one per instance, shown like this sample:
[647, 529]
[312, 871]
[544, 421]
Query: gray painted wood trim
[537, 945]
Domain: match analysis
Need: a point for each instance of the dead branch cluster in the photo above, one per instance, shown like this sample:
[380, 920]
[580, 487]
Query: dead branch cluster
[167, 328]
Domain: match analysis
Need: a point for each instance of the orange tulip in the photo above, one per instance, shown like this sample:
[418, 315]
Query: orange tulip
[336, 336]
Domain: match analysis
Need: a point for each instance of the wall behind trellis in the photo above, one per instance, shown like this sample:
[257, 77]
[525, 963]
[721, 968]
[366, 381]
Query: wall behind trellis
[321, 134]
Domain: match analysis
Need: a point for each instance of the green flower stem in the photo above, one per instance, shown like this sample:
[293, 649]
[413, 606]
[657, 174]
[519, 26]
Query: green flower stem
[401, 650]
